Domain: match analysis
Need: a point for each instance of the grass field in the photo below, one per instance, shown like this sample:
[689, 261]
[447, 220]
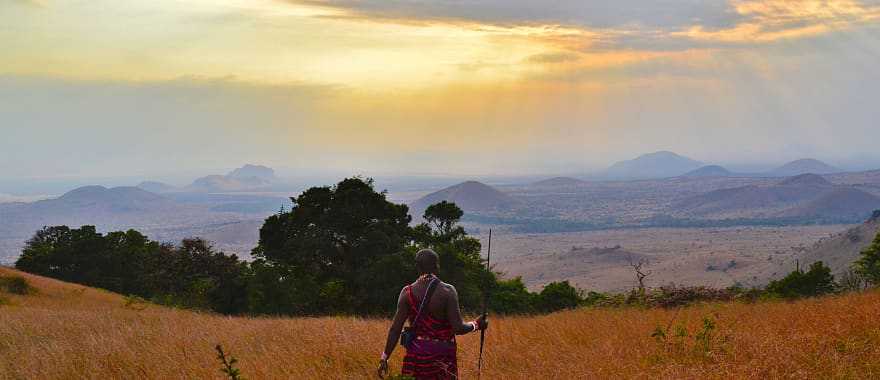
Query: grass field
[67, 331]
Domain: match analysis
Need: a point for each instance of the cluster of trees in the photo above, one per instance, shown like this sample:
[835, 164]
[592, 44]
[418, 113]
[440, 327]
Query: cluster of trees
[189, 275]
[343, 249]
[818, 280]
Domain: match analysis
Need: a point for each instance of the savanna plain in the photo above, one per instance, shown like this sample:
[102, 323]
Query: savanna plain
[61, 330]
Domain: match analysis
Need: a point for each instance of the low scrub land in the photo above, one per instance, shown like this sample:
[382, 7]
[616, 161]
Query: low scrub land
[60, 330]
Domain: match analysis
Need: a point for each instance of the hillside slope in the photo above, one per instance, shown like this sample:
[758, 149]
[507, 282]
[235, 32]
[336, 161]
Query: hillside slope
[806, 196]
[840, 251]
[68, 331]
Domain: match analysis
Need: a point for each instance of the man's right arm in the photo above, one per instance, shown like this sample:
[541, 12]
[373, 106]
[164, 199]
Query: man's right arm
[397, 323]
[453, 315]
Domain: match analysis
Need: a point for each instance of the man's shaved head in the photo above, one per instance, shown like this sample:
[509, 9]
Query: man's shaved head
[427, 261]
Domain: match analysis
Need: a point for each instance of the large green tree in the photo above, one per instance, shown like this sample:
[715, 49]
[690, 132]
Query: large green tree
[347, 240]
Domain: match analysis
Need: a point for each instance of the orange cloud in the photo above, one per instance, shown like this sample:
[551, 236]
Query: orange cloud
[772, 20]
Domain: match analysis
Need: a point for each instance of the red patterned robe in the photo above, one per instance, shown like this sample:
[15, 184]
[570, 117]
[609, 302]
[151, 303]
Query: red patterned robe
[432, 355]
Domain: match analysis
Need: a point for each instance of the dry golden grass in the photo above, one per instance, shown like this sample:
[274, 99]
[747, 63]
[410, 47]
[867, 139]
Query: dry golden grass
[67, 331]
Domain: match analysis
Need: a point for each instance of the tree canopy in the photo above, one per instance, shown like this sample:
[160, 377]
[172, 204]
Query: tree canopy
[342, 249]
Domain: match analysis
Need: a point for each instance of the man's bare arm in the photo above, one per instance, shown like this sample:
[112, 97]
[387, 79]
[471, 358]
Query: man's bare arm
[397, 323]
[453, 314]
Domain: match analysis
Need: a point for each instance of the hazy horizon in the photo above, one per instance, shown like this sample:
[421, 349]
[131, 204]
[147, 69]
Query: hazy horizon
[175, 89]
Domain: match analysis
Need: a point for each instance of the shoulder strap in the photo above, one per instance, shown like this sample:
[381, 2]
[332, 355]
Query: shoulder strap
[431, 287]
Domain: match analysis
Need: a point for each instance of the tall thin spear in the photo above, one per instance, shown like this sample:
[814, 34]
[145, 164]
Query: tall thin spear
[485, 307]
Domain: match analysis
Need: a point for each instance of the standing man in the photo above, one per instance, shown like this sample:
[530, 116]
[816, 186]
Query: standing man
[432, 351]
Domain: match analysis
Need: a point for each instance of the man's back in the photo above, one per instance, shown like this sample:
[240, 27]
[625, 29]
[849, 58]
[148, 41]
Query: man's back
[438, 306]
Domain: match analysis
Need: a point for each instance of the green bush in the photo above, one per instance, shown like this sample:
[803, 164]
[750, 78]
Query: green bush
[558, 296]
[818, 280]
[15, 285]
[868, 265]
[512, 297]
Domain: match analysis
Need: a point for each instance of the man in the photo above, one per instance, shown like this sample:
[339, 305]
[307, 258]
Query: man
[432, 354]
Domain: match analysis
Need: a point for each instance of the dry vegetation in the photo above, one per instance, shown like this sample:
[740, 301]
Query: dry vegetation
[68, 331]
[685, 256]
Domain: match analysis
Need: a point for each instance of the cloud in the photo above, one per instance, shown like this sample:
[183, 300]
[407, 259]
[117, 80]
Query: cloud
[633, 24]
[591, 14]
[772, 20]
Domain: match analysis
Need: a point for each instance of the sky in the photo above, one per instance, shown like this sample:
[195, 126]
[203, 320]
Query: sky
[97, 88]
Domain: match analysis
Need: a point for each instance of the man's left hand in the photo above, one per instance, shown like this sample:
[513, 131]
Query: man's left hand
[482, 322]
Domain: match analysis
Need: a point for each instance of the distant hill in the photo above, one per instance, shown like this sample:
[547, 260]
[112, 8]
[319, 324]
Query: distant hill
[227, 220]
[249, 171]
[469, 196]
[155, 187]
[559, 182]
[245, 178]
[803, 166]
[117, 199]
[708, 171]
[653, 165]
[807, 196]
[95, 205]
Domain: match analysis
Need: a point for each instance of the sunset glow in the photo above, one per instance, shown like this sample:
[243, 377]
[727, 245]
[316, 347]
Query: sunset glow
[371, 81]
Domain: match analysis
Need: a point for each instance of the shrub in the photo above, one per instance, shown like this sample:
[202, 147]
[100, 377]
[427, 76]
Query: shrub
[512, 297]
[816, 281]
[15, 285]
[558, 296]
[868, 264]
